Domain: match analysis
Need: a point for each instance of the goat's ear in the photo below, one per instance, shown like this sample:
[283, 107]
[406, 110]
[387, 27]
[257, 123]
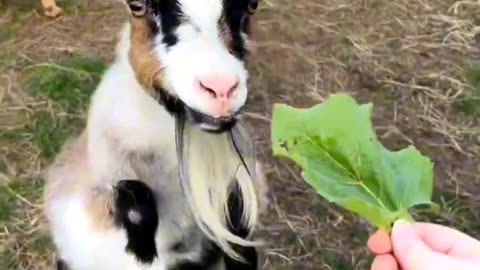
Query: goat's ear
[252, 7]
[138, 8]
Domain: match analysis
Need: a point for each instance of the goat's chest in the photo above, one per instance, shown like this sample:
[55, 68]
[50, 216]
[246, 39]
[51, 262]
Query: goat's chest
[178, 238]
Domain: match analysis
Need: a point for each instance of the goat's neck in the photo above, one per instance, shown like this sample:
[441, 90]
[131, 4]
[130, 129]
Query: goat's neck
[124, 119]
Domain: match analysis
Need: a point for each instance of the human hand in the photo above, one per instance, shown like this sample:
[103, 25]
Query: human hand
[424, 246]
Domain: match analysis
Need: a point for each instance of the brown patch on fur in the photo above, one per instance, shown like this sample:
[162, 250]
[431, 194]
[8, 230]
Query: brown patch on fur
[144, 63]
[69, 176]
[68, 173]
[100, 206]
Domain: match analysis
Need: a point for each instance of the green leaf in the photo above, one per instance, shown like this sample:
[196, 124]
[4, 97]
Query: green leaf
[342, 159]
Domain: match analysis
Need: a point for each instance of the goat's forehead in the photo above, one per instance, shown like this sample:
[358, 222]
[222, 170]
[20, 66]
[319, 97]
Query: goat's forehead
[201, 9]
[198, 9]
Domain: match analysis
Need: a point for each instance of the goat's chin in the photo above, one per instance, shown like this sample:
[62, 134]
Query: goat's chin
[177, 107]
[209, 123]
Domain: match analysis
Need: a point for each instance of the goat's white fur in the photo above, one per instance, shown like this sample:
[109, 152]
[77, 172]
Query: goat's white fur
[200, 51]
[123, 119]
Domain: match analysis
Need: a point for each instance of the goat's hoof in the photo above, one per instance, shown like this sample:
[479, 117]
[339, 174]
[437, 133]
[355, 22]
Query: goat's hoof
[53, 11]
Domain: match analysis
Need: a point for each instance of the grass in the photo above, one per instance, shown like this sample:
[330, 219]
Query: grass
[455, 210]
[7, 204]
[68, 86]
[22, 197]
[469, 103]
[16, 12]
[5, 34]
[19, 7]
[47, 132]
[65, 87]
[50, 133]
[337, 261]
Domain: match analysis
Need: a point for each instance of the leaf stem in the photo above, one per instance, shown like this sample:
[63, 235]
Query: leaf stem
[407, 217]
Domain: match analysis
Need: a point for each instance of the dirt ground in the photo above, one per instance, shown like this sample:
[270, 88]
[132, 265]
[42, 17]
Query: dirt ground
[418, 61]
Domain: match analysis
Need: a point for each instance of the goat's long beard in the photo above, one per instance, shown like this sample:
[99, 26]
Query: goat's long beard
[211, 167]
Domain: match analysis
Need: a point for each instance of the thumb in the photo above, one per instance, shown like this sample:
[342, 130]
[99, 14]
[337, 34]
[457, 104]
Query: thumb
[408, 247]
[412, 253]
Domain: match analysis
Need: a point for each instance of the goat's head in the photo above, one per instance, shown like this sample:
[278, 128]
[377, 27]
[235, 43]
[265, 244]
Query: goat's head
[191, 55]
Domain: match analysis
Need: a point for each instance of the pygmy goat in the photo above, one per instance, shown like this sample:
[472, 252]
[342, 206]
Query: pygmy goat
[164, 176]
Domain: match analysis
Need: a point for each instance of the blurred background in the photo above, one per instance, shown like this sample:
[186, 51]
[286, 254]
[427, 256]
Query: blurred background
[418, 61]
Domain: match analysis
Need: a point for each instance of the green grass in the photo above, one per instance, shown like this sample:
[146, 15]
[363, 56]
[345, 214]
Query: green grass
[13, 209]
[11, 193]
[347, 57]
[5, 59]
[457, 211]
[469, 102]
[337, 262]
[29, 189]
[68, 85]
[7, 204]
[5, 34]
[50, 133]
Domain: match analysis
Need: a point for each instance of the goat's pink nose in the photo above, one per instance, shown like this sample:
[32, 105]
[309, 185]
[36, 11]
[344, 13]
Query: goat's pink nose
[219, 86]
[218, 92]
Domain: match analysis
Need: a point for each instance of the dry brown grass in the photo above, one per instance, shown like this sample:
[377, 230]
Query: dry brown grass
[411, 58]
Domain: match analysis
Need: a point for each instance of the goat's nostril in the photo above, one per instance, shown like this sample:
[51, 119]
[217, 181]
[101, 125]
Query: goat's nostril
[218, 86]
[209, 90]
[232, 90]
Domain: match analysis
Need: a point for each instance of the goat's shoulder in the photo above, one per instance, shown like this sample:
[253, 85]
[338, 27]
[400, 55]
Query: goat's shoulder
[70, 165]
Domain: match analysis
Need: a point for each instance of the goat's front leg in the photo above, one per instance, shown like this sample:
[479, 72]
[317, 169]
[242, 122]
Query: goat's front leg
[50, 8]
[130, 205]
[135, 210]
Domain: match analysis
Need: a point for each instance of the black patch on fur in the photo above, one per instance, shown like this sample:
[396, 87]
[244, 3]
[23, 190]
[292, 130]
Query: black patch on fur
[171, 103]
[170, 16]
[61, 265]
[249, 254]
[178, 108]
[236, 14]
[211, 255]
[134, 195]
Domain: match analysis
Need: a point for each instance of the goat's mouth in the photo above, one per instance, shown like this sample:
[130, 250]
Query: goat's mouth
[208, 123]
[212, 124]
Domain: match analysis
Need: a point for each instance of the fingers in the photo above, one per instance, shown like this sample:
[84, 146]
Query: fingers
[385, 262]
[448, 241]
[413, 253]
[379, 243]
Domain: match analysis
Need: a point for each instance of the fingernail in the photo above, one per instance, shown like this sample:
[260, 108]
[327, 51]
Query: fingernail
[400, 226]
[401, 222]
[403, 235]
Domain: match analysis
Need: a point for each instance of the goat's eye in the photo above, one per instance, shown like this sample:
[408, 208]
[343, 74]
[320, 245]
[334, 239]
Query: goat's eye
[252, 7]
[138, 8]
